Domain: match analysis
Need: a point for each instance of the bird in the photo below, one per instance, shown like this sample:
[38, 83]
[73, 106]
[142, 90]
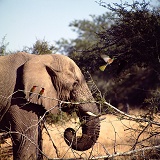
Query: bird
[108, 61]
[31, 91]
[41, 92]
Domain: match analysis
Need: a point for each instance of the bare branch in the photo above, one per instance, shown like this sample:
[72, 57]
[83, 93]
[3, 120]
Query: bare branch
[134, 146]
[57, 152]
[134, 118]
[129, 152]
[12, 132]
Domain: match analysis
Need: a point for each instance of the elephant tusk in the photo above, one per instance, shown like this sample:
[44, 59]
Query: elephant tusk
[91, 114]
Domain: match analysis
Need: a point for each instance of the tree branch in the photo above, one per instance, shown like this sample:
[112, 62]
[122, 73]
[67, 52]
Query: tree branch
[57, 152]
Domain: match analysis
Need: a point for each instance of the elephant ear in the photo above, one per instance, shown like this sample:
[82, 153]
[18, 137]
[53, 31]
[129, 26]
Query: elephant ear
[38, 86]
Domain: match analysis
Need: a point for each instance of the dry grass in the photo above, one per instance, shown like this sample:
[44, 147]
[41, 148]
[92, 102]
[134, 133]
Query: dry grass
[115, 136]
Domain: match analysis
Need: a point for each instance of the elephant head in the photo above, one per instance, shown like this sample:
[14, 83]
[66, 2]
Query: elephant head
[60, 79]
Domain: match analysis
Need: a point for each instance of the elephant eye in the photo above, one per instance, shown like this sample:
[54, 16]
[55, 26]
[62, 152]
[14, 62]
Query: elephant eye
[75, 84]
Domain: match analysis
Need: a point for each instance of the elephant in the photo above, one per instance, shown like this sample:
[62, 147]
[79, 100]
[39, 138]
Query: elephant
[31, 85]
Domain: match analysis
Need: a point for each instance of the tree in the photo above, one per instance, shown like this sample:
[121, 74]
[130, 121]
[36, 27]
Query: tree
[135, 37]
[41, 47]
[130, 34]
[3, 47]
[87, 35]
[134, 41]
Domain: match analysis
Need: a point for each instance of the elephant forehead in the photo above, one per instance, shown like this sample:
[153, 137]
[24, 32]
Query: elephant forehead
[64, 63]
[57, 62]
[60, 63]
[64, 60]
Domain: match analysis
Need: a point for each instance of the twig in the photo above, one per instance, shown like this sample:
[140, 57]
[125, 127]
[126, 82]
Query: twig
[134, 146]
[90, 153]
[132, 117]
[128, 153]
[13, 132]
[41, 118]
[57, 152]
[114, 138]
[137, 119]
[117, 154]
[84, 102]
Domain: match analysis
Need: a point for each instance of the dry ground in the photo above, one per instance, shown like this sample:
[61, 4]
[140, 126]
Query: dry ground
[115, 136]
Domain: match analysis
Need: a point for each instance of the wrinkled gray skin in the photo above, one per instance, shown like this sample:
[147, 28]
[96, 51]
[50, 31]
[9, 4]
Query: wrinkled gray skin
[20, 111]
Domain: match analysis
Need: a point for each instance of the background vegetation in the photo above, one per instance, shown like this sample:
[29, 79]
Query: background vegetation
[129, 33]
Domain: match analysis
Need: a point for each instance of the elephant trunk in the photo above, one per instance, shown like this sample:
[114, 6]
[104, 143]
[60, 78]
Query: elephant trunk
[90, 131]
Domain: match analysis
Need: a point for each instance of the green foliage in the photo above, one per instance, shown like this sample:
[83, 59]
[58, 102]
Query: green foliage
[52, 118]
[3, 46]
[134, 41]
[61, 117]
[135, 37]
[87, 34]
[129, 33]
[40, 47]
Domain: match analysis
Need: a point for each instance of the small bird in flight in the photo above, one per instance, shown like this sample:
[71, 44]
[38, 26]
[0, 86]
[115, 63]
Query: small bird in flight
[108, 61]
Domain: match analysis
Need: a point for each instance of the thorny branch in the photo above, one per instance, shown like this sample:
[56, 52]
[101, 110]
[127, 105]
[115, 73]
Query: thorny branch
[134, 146]
[117, 154]
[128, 153]
[13, 132]
[114, 138]
[130, 117]
[125, 115]
[57, 152]
[134, 118]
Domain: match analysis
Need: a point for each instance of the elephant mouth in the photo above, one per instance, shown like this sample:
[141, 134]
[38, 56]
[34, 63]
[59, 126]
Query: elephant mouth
[69, 109]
